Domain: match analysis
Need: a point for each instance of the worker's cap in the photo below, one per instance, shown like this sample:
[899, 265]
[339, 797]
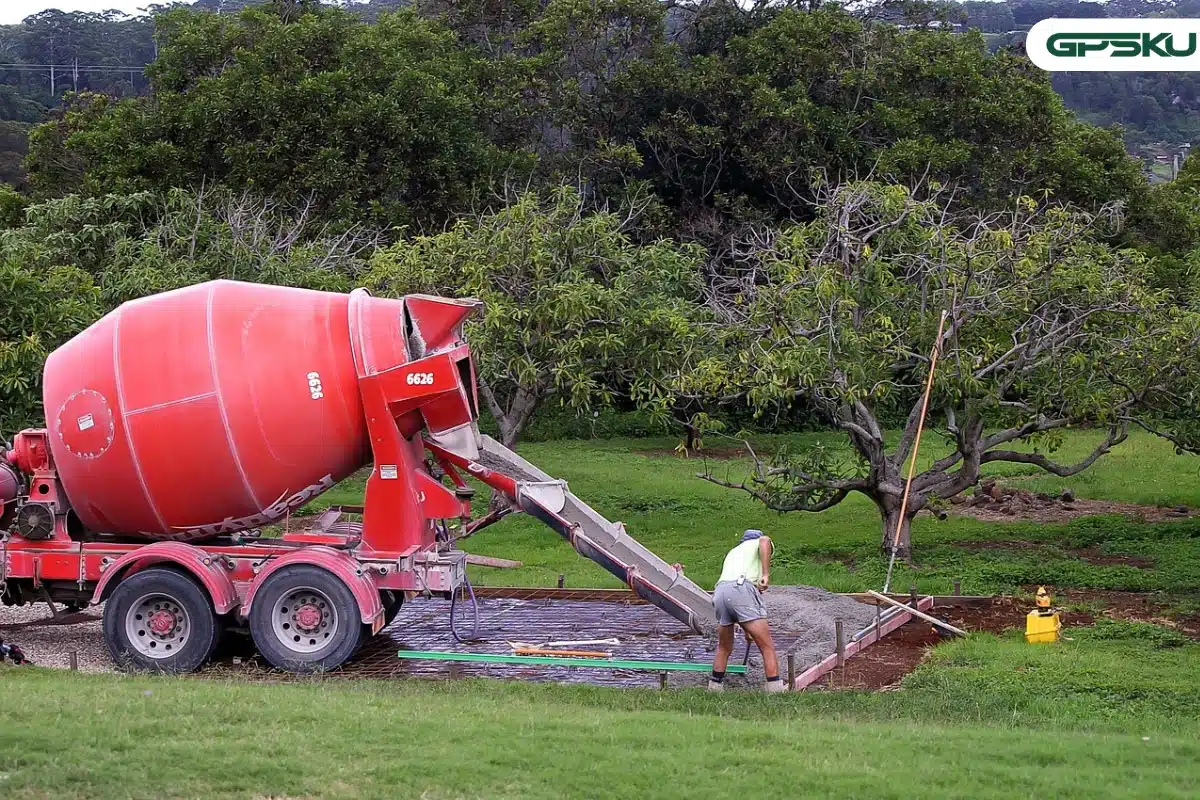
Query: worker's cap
[751, 534]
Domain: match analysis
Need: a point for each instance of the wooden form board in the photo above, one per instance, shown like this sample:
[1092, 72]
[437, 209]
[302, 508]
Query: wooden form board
[817, 671]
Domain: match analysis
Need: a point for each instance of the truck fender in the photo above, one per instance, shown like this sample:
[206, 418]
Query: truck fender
[204, 567]
[341, 564]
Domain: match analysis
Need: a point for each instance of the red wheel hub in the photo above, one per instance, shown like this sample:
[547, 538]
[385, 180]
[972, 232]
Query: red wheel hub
[308, 617]
[162, 622]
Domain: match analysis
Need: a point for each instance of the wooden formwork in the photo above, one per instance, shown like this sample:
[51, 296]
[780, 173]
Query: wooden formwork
[869, 636]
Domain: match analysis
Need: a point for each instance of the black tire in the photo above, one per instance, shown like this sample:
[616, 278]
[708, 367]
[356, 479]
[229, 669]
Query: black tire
[392, 601]
[295, 649]
[165, 591]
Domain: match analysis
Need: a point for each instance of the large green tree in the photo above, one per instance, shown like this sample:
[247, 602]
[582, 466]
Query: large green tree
[65, 262]
[1046, 328]
[380, 122]
[139, 244]
[734, 130]
[39, 310]
[574, 310]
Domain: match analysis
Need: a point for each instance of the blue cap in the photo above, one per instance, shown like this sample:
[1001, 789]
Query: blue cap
[751, 535]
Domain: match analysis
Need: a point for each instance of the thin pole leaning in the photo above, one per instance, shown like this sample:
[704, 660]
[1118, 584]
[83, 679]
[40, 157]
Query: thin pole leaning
[912, 464]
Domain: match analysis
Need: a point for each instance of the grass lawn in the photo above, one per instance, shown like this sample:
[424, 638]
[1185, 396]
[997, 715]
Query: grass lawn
[985, 717]
[1114, 712]
[685, 519]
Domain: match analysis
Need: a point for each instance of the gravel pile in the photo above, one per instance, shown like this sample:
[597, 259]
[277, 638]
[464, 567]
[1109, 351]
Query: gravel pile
[802, 622]
[48, 643]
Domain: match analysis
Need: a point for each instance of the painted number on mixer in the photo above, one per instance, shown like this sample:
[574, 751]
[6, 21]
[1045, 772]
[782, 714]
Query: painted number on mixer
[419, 378]
[314, 386]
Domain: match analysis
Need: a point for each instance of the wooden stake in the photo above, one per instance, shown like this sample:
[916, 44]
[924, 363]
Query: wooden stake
[662, 680]
[74, 660]
[791, 671]
[840, 640]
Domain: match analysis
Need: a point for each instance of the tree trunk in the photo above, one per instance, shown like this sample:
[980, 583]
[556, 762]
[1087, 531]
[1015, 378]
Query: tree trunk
[891, 518]
[509, 434]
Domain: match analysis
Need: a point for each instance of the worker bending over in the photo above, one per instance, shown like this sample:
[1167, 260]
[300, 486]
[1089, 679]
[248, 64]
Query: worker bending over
[737, 599]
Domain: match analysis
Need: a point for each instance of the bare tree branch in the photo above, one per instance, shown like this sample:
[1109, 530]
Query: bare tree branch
[1116, 435]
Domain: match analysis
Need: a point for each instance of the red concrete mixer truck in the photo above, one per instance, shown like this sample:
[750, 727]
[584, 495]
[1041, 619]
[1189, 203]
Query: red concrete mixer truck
[181, 424]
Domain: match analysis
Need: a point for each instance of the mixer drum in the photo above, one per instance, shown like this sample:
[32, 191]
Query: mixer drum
[214, 408]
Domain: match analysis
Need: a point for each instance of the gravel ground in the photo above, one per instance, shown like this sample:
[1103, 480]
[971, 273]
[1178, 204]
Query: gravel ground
[804, 613]
[48, 643]
[802, 621]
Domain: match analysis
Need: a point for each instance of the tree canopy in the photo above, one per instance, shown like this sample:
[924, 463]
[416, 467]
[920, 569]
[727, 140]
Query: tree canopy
[413, 119]
[369, 121]
[573, 309]
[1045, 328]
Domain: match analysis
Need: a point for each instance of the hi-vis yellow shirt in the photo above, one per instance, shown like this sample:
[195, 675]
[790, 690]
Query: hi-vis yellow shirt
[743, 561]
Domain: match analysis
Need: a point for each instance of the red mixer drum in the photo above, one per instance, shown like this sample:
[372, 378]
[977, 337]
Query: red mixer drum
[214, 408]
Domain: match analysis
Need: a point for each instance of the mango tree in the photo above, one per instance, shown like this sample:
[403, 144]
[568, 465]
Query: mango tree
[573, 309]
[1045, 329]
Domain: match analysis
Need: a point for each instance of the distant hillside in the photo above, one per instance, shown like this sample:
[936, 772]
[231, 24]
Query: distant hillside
[1152, 107]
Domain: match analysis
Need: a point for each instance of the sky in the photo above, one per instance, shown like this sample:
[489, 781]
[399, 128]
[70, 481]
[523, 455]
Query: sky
[13, 11]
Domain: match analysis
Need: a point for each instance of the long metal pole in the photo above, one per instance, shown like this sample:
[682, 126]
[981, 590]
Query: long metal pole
[912, 464]
[921, 614]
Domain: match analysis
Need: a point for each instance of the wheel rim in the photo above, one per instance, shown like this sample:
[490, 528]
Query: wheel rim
[305, 620]
[157, 625]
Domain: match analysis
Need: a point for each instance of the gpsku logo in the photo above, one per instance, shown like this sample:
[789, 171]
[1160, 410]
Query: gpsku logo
[1115, 45]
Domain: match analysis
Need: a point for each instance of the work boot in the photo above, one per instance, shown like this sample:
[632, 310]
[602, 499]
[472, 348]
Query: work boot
[776, 685]
[715, 686]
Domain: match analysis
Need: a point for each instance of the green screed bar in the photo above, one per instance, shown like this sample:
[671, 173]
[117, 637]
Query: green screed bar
[491, 658]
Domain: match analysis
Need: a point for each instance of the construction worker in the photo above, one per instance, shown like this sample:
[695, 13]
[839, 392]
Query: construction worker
[737, 600]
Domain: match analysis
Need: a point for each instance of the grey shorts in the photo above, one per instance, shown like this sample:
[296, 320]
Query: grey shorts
[734, 603]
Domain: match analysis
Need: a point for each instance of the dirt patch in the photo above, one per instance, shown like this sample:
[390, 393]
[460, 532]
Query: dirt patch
[1126, 606]
[882, 665]
[993, 502]
[1091, 555]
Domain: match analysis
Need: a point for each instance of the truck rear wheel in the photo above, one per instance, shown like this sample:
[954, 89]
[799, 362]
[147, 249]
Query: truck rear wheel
[160, 620]
[305, 619]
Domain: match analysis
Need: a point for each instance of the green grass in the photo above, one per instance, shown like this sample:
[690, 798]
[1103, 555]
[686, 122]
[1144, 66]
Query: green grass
[694, 522]
[986, 717]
